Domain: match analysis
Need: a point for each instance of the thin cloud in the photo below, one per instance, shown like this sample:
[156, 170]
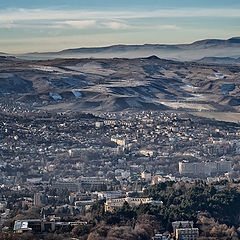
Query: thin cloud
[83, 24]
[15, 15]
[167, 27]
[7, 25]
[87, 24]
[116, 25]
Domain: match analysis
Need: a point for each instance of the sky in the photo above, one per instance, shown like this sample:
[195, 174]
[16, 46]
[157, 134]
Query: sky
[53, 25]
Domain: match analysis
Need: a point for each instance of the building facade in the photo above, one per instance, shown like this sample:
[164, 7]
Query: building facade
[115, 204]
[187, 233]
[205, 168]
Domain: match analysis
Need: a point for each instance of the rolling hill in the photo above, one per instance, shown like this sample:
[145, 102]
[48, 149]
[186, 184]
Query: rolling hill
[118, 84]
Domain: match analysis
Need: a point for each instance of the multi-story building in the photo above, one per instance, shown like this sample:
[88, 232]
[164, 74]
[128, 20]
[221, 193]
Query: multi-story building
[93, 180]
[114, 204]
[147, 153]
[197, 168]
[184, 230]
[187, 233]
[77, 152]
[205, 168]
[71, 186]
[99, 124]
[147, 176]
[119, 141]
[37, 200]
[41, 225]
[222, 166]
[110, 194]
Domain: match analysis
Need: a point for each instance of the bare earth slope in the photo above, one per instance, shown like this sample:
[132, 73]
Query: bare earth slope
[117, 84]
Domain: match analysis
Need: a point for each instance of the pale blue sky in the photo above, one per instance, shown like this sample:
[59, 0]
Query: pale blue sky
[52, 25]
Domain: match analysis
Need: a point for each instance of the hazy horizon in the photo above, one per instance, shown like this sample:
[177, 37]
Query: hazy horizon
[52, 25]
[111, 45]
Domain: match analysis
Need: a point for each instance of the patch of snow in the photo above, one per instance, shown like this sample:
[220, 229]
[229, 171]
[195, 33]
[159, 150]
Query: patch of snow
[188, 84]
[189, 87]
[211, 78]
[217, 76]
[77, 94]
[47, 68]
[55, 96]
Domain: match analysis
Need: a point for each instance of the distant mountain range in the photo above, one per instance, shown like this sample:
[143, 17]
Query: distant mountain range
[229, 48]
[220, 60]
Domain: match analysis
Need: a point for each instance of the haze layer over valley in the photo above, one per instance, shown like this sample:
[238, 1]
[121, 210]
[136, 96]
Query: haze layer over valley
[181, 52]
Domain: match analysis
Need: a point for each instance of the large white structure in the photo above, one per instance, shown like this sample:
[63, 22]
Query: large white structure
[76, 152]
[99, 124]
[205, 168]
[119, 141]
[147, 176]
[147, 153]
[199, 168]
[114, 204]
[110, 194]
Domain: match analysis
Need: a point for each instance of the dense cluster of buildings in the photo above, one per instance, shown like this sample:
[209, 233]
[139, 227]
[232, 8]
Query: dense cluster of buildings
[113, 146]
[108, 156]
